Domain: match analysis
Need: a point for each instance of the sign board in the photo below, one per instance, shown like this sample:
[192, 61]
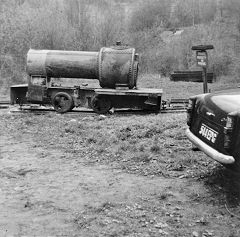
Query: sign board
[202, 58]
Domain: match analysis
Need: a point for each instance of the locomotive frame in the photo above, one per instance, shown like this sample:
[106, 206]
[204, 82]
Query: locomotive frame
[40, 90]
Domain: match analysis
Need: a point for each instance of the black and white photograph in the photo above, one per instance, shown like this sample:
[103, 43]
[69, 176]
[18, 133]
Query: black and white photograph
[119, 118]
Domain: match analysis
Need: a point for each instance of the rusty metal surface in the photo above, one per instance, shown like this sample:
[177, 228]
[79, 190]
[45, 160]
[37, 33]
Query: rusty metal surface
[111, 66]
[56, 63]
[117, 66]
[36, 93]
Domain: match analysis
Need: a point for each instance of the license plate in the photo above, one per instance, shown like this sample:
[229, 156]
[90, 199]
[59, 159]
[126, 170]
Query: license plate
[208, 133]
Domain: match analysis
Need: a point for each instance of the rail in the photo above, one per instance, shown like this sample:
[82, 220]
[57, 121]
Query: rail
[4, 104]
[172, 105]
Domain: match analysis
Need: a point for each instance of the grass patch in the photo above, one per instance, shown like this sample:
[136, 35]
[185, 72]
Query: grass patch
[147, 145]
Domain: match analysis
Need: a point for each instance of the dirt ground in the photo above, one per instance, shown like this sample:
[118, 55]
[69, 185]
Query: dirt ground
[53, 192]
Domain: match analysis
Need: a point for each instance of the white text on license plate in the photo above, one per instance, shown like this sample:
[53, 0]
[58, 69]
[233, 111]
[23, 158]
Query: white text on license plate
[208, 133]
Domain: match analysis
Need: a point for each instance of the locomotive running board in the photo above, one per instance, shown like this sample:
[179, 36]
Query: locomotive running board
[151, 92]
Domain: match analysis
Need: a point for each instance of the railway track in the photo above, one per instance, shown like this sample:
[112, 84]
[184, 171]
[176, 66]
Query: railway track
[4, 104]
[170, 108]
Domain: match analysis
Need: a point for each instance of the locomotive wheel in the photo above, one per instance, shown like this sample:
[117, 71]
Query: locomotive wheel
[101, 105]
[63, 102]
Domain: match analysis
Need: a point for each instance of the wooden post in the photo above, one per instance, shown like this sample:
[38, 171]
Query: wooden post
[205, 84]
[202, 61]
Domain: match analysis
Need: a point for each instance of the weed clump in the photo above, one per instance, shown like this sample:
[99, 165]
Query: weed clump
[155, 148]
[69, 130]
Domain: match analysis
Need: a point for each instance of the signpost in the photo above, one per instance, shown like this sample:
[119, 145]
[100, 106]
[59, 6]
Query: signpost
[202, 61]
[202, 58]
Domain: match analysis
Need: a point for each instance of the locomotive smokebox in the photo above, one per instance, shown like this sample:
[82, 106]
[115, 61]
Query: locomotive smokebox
[114, 66]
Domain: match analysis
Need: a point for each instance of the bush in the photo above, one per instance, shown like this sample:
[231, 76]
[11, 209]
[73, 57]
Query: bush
[148, 14]
[90, 25]
[164, 63]
[222, 65]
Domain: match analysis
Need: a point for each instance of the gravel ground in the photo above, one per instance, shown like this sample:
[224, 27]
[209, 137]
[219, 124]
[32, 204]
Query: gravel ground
[124, 175]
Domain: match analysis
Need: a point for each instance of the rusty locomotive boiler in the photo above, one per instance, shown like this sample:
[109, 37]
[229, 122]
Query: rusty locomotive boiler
[111, 66]
[116, 69]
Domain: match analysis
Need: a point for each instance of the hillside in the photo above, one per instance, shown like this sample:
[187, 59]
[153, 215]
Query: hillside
[90, 25]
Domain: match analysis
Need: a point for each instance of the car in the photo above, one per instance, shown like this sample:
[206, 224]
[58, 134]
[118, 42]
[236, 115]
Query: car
[213, 121]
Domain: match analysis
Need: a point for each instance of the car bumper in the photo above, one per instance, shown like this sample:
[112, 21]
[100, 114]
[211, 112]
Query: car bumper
[214, 154]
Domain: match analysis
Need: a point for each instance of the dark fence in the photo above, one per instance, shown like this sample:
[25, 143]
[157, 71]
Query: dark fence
[193, 76]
